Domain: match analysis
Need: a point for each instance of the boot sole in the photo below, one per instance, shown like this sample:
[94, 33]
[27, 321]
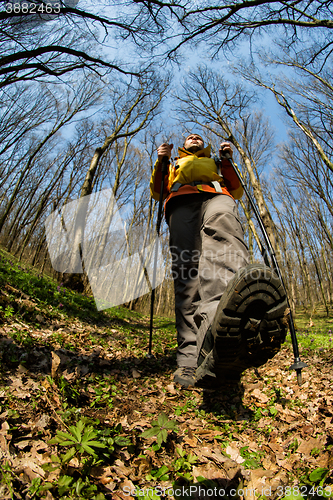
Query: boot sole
[249, 325]
[185, 382]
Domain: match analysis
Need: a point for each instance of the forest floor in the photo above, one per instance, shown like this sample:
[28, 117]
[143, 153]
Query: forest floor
[84, 413]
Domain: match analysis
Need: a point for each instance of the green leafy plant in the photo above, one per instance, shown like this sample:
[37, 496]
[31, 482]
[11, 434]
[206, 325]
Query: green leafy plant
[82, 437]
[160, 429]
[77, 489]
[6, 478]
[252, 458]
[293, 446]
[103, 396]
[185, 461]
[159, 474]
[9, 312]
[148, 494]
[313, 483]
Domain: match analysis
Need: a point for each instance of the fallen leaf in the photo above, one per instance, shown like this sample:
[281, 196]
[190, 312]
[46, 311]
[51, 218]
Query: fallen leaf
[171, 388]
[260, 396]
[135, 373]
[55, 364]
[307, 446]
[192, 442]
[234, 454]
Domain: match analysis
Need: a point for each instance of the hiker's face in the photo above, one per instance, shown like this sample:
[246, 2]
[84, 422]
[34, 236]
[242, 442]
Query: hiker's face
[193, 143]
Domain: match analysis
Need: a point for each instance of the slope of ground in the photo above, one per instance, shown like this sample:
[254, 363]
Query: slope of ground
[86, 414]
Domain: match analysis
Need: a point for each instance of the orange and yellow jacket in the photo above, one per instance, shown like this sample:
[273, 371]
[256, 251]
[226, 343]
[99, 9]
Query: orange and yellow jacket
[192, 169]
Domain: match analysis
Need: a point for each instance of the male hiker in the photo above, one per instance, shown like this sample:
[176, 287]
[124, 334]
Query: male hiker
[229, 315]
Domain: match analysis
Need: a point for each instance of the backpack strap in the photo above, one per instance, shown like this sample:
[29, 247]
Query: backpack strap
[218, 165]
[215, 184]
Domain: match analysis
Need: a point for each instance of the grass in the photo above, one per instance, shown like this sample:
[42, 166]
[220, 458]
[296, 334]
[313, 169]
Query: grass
[319, 319]
[38, 293]
[41, 293]
[314, 331]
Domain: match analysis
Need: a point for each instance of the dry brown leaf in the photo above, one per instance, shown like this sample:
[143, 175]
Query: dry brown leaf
[269, 465]
[260, 396]
[101, 472]
[307, 446]
[69, 376]
[208, 471]
[22, 464]
[231, 468]
[21, 445]
[120, 469]
[307, 430]
[143, 466]
[192, 442]
[258, 484]
[286, 463]
[55, 364]
[171, 388]
[276, 448]
[234, 454]
[135, 373]
[42, 421]
[4, 428]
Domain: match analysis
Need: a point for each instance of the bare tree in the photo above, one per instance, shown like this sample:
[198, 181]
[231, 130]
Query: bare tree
[41, 42]
[305, 25]
[86, 95]
[133, 108]
[310, 108]
[304, 235]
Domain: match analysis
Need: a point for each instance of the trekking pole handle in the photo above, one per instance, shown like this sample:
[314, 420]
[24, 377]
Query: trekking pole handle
[164, 170]
[165, 164]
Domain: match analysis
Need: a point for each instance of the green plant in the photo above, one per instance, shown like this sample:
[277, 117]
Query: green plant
[148, 494]
[293, 446]
[103, 395]
[190, 404]
[68, 488]
[184, 464]
[312, 482]
[159, 474]
[9, 312]
[160, 428]
[80, 437]
[6, 477]
[252, 458]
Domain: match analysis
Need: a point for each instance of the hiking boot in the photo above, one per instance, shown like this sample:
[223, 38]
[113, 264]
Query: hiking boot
[185, 376]
[249, 326]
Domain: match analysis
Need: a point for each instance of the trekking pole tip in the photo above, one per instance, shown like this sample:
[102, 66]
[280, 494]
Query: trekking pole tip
[298, 366]
[299, 377]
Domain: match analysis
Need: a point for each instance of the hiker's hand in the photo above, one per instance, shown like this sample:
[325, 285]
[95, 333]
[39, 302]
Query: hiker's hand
[225, 147]
[164, 150]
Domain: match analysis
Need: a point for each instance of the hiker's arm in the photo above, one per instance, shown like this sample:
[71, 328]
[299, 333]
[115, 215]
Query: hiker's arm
[156, 178]
[229, 175]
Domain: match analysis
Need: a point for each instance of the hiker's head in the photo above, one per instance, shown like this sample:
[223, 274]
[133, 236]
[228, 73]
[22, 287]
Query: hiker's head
[193, 143]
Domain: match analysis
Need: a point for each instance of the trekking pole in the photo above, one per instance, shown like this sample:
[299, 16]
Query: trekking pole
[298, 365]
[165, 164]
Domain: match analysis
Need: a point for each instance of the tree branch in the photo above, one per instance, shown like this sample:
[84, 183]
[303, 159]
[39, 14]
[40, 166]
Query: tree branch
[27, 54]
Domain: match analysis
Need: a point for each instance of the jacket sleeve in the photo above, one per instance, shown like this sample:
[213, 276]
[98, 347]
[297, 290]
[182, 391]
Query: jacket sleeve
[155, 182]
[231, 180]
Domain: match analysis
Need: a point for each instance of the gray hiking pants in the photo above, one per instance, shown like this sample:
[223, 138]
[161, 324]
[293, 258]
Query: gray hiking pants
[207, 248]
